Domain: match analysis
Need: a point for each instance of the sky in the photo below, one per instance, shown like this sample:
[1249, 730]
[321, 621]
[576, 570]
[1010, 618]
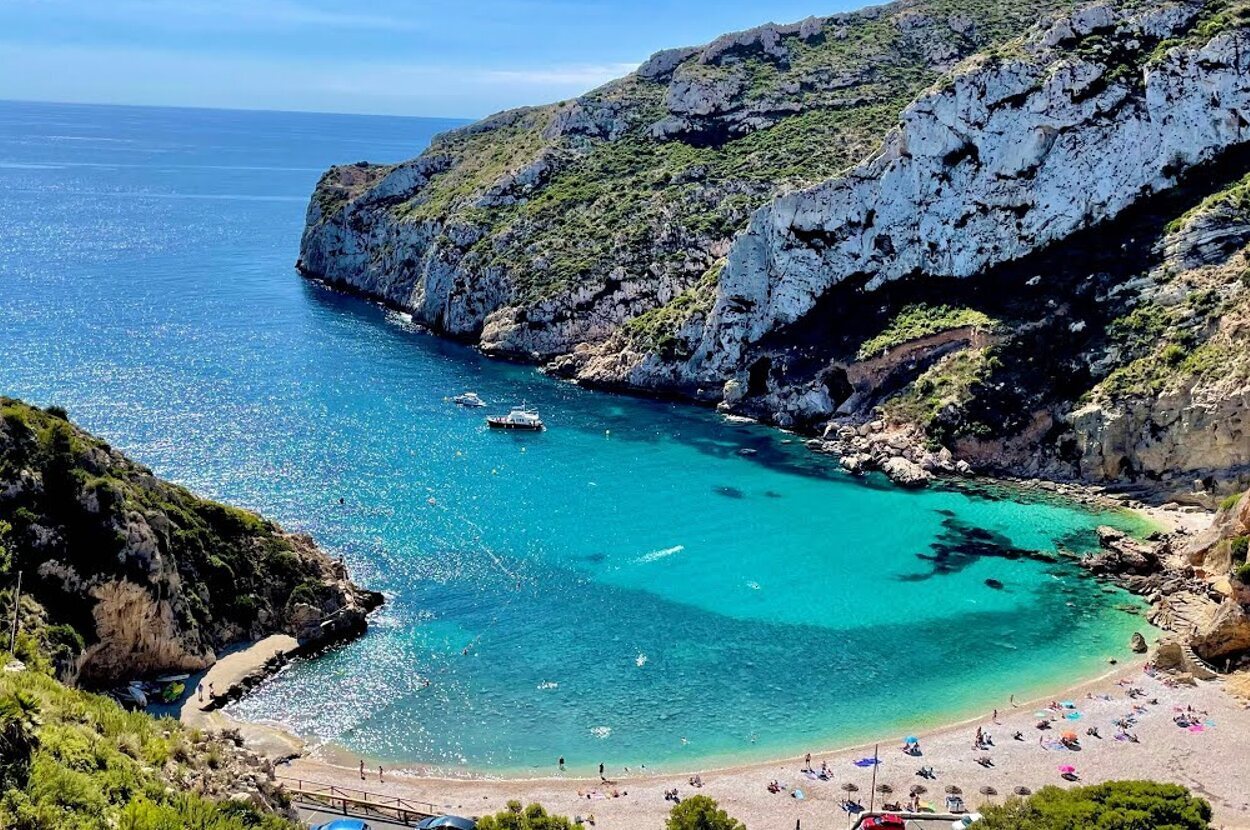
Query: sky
[444, 58]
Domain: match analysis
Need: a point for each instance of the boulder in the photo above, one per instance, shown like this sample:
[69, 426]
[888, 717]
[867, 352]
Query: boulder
[905, 473]
[1170, 655]
[1137, 643]
[1224, 633]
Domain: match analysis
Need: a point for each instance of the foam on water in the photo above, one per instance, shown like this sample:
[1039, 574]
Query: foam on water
[520, 604]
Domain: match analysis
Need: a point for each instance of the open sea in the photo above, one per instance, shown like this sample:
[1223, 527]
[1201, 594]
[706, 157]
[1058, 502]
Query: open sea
[624, 588]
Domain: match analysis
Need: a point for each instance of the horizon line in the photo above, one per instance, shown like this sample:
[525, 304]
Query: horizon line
[465, 119]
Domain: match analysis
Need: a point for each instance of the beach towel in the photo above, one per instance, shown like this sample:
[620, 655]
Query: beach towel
[867, 762]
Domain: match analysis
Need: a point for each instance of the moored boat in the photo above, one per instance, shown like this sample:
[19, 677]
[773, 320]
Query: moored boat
[469, 399]
[519, 418]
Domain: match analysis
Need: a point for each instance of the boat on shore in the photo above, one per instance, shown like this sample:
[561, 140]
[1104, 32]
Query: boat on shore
[520, 418]
[469, 399]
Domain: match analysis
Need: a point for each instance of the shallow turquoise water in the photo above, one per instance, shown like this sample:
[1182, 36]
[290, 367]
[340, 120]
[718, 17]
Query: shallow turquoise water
[625, 587]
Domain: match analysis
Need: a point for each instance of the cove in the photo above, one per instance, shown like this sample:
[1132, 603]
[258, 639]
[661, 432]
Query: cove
[625, 588]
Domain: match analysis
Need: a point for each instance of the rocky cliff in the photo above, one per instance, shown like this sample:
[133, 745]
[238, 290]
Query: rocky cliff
[126, 575]
[988, 199]
[539, 229]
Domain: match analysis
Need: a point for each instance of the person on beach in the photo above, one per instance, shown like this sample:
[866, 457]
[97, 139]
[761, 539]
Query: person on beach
[807, 762]
[380, 775]
[200, 691]
[362, 769]
[994, 717]
[600, 769]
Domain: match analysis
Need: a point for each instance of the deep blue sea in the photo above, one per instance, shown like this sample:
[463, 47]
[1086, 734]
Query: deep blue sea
[624, 588]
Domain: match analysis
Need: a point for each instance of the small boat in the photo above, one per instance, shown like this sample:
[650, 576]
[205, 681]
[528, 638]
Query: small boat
[518, 418]
[469, 399]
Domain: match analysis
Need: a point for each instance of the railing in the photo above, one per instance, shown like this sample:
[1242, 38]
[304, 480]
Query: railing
[360, 803]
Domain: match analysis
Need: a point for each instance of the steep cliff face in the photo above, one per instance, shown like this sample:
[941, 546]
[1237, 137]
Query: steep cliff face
[540, 229]
[1017, 152]
[1033, 190]
[137, 576]
[697, 228]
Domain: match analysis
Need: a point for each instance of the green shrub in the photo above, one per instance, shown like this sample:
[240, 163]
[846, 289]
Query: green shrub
[1127, 805]
[1230, 502]
[1243, 573]
[533, 817]
[922, 320]
[1238, 546]
[700, 812]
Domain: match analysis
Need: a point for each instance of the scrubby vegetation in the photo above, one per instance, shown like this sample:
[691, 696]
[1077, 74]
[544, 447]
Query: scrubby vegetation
[1235, 197]
[623, 181]
[533, 817]
[657, 329]
[75, 513]
[70, 760]
[699, 812]
[922, 320]
[1168, 347]
[937, 399]
[1127, 805]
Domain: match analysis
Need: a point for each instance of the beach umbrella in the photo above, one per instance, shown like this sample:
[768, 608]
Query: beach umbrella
[1067, 769]
[850, 788]
[884, 789]
[919, 789]
[911, 739]
[1022, 791]
[988, 790]
[951, 789]
[798, 794]
[1069, 736]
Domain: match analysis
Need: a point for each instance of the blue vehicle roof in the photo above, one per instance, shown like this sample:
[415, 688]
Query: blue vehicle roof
[452, 822]
[343, 824]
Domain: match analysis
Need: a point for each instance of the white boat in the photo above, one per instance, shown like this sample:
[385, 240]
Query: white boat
[469, 399]
[519, 418]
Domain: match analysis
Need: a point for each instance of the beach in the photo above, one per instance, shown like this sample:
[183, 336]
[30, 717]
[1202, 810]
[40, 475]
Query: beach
[1211, 762]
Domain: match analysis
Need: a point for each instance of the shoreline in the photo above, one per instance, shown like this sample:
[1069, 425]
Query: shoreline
[718, 766]
[479, 792]
[1158, 518]
[1165, 753]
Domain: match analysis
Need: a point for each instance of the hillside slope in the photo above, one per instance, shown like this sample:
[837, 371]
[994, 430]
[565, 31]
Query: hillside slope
[126, 575]
[971, 287]
[545, 227]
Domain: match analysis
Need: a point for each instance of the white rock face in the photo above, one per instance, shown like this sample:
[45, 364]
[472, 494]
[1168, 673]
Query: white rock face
[1016, 154]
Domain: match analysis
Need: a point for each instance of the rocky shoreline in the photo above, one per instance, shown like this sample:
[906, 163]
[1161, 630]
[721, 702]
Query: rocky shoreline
[1194, 589]
[960, 272]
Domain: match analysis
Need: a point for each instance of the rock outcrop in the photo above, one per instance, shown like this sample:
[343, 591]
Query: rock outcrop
[149, 577]
[734, 223]
[542, 228]
[1014, 154]
[1191, 590]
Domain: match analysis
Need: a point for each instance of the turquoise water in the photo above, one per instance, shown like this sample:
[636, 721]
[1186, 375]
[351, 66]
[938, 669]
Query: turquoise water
[624, 588]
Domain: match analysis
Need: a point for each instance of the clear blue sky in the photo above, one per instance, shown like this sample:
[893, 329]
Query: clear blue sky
[409, 57]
